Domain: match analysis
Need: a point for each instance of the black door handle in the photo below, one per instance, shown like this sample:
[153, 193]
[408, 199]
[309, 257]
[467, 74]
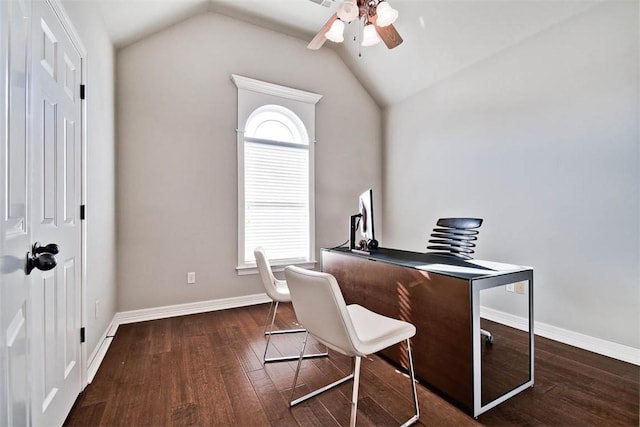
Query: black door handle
[51, 248]
[43, 262]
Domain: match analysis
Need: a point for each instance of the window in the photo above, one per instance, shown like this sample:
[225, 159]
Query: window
[276, 185]
[275, 173]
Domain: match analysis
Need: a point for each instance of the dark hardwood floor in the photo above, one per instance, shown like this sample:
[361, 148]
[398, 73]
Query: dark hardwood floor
[206, 369]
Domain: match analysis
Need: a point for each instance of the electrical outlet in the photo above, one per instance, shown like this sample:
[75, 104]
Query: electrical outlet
[511, 287]
[520, 288]
[191, 277]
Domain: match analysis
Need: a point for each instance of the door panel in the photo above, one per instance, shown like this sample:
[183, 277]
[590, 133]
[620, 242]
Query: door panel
[48, 172]
[68, 326]
[45, 293]
[16, 161]
[17, 369]
[70, 172]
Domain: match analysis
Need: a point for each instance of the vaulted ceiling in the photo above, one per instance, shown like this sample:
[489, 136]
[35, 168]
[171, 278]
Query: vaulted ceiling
[441, 37]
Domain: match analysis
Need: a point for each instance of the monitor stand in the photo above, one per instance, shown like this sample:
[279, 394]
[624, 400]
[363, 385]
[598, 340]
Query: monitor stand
[358, 248]
[353, 221]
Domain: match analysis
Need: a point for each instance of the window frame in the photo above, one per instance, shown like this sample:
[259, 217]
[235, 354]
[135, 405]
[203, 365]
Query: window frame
[254, 95]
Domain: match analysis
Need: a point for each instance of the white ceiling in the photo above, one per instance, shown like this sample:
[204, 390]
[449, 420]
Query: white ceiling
[441, 37]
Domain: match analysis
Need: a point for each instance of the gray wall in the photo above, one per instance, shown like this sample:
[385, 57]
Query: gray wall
[100, 159]
[176, 153]
[542, 141]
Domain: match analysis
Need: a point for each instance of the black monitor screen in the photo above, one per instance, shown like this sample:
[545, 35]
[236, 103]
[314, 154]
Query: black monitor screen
[366, 210]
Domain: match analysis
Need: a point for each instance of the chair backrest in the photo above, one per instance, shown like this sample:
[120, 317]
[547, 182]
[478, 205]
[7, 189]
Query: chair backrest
[268, 279]
[455, 236]
[321, 309]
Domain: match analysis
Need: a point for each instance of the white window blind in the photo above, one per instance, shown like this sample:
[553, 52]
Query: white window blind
[276, 199]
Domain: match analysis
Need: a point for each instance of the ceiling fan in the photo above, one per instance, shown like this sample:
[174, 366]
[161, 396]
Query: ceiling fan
[377, 16]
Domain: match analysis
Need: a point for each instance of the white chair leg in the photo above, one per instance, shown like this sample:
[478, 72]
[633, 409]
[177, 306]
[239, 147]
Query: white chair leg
[273, 319]
[295, 377]
[283, 331]
[354, 393]
[307, 396]
[415, 418]
[279, 331]
[266, 322]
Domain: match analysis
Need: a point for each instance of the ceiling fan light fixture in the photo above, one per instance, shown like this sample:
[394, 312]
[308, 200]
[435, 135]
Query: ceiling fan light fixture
[370, 35]
[336, 32]
[348, 10]
[386, 14]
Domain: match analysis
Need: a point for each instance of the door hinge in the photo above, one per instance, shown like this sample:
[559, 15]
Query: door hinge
[82, 212]
[82, 91]
[82, 335]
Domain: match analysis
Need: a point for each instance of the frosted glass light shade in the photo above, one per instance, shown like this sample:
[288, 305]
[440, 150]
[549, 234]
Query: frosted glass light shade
[336, 32]
[348, 10]
[386, 14]
[370, 35]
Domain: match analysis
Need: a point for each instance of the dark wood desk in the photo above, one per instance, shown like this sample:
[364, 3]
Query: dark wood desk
[440, 295]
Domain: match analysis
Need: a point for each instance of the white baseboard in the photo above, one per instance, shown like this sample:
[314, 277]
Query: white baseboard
[155, 313]
[133, 316]
[585, 342]
[95, 359]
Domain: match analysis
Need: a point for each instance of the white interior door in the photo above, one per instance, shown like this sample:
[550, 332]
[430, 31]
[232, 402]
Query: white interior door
[55, 134]
[14, 225]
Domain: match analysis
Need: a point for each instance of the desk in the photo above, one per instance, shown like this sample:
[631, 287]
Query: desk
[440, 295]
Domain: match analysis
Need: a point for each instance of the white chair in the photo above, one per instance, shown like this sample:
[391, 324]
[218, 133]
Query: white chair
[278, 291]
[348, 329]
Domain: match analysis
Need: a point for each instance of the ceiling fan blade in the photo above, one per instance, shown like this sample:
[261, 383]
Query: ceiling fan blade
[320, 38]
[388, 34]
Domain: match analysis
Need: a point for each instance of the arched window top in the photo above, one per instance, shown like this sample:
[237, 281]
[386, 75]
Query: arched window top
[276, 123]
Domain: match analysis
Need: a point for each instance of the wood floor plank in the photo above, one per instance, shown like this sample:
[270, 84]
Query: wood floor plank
[210, 394]
[246, 405]
[586, 358]
[87, 415]
[157, 389]
[160, 337]
[244, 353]
[275, 407]
[371, 410]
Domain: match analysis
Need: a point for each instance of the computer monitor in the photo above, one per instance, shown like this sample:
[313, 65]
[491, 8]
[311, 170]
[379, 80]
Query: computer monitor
[365, 206]
[363, 221]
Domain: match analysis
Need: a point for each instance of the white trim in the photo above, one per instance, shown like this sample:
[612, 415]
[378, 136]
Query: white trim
[245, 270]
[69, 28]
[155, 313]
[241, 227]
[98, 353]
[275, 90]
[596, 345]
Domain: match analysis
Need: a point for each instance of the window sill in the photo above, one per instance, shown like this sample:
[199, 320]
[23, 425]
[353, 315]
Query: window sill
[245, 270]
